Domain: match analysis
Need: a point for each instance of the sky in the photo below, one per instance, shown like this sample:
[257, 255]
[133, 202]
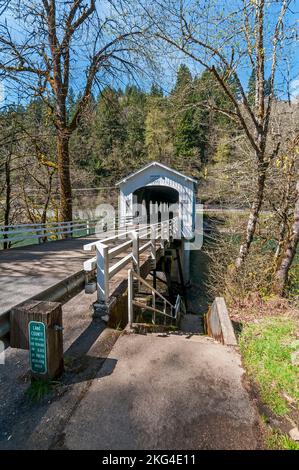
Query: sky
[166, 76]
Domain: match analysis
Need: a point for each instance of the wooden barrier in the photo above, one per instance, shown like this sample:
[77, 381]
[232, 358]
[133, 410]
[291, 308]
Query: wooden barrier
[218, 323]
[37, 326]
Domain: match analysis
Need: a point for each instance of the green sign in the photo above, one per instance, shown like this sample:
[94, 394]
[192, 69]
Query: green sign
[37, 347]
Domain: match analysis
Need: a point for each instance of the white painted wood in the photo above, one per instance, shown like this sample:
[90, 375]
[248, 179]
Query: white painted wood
[90, 264]
[156, 174]
[102, 272]
[38, 232]
[119, 265]
[130, 298]
[106, 253]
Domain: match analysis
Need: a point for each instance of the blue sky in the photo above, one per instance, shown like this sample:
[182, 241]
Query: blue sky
[169, 65]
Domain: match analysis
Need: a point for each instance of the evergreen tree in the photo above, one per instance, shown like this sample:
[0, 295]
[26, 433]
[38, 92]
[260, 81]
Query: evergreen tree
[156, 90]
[158, 135]
[133, 106]
[183, 80]
[187, 134]
[108, 135]
[251, 88]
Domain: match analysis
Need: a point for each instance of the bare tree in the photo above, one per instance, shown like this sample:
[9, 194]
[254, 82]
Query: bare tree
[291, 241]
[225, 40]
[10, 134]
[46, 55]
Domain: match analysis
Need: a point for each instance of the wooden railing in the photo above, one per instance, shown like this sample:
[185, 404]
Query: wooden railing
[131, 245]
[11, 235]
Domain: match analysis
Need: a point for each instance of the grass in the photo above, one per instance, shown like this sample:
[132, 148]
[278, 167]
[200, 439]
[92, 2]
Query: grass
[266, 347]
[39, 388]
[279, 441]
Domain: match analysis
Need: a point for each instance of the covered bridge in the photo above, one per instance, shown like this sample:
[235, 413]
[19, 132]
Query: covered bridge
[159, 189]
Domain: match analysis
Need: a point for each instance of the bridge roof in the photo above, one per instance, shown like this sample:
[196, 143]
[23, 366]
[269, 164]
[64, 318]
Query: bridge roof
[155, 164]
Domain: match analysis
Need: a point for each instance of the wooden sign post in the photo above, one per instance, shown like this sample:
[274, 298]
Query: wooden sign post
[37, 325]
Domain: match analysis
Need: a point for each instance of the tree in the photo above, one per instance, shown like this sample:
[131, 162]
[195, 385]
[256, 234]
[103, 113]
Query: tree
[133, 105]
[158, 133]
[223, 40]
[44, 59]
[292, 239]
[183, 80]
[156, 90]
[252, 87]
[186, 137]
[10, 164]
[108, 130]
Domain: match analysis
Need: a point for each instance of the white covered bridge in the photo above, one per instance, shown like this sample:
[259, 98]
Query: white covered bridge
[156, 213]
[157, 218]
[155, 190]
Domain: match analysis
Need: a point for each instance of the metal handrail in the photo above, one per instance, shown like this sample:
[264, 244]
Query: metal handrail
[174, 309]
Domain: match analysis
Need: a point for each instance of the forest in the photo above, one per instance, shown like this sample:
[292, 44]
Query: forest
[92, 90]
[229, 117]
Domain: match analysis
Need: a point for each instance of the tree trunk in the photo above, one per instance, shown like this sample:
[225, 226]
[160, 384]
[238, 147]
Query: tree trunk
[63, 162]
[284, 219]
[253, 218]
[281, 276]
[7, 199]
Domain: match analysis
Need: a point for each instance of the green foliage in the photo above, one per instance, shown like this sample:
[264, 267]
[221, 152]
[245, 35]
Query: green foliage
[187, 132]
[222, 153]
[123, 129]
[251, 88]
[266, 347]
[279, 441]
[39, 388]
[158, 136]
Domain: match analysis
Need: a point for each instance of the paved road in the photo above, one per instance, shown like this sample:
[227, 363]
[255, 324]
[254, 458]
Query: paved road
[170, 392]
[27, 271]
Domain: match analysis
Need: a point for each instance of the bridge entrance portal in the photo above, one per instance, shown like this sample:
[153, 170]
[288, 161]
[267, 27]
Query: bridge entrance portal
[160, 202]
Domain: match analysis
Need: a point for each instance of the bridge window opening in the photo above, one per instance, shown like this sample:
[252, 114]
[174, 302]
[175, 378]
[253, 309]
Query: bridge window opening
[157, 201]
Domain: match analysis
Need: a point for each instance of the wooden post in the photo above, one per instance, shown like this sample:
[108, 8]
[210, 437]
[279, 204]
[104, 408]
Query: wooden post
[130, 298]
[102, 272]
[135, 254]
[37, 325]
[153, 247]
[154, 306]
[39, 232]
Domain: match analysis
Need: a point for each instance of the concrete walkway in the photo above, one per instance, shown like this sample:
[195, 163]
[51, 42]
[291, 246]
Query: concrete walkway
[173, 392]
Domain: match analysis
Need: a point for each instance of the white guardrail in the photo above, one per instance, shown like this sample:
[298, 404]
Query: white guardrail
[131, 246]
[13, 234]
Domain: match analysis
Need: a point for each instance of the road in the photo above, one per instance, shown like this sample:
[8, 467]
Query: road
[28, 271]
